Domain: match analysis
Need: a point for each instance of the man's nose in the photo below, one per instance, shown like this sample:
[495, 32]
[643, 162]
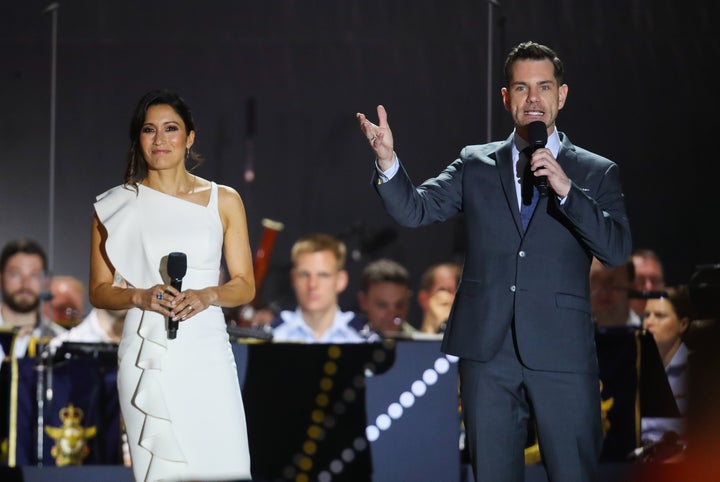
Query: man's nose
[532, 94]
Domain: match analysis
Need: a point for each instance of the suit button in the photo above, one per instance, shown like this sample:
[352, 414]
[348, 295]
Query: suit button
[512, 288]
[521, 254]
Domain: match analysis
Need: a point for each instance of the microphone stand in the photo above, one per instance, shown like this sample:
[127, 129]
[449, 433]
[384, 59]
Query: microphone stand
[489, 68]
[42, 358]
[53, 10]
[43, 368]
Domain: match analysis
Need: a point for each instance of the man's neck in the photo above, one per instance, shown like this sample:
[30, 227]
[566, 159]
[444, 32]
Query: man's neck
[319, 321]
[431, 323]
[24, 322]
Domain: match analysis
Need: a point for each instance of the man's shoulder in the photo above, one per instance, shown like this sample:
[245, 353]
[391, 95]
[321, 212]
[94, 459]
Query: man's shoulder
[283, 318]
[358, 322]
[480, 151]
[584, 155]
[54, 328]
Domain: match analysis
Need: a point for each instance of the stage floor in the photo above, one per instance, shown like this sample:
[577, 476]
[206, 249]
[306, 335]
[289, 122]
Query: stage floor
[615, 472]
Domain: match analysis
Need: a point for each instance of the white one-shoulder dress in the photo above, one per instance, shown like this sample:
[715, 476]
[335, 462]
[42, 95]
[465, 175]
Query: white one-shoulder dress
[180, 399]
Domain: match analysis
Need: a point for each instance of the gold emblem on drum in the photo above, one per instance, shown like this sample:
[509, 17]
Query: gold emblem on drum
[71, 439]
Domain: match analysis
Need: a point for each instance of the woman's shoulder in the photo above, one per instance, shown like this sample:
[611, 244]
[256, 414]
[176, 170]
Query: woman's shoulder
[228, 195]
[120, 191]
[117, 202]
[115, 198]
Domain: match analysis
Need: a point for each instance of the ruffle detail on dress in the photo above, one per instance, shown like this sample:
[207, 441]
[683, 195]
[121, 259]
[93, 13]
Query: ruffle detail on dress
[154, 341]
[117, 209]
[157, 434]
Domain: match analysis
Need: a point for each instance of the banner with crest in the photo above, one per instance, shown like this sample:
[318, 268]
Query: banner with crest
[80, 420]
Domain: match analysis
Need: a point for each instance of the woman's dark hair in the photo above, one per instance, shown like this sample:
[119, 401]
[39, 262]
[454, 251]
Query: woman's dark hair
[136, 169]
[679, 298]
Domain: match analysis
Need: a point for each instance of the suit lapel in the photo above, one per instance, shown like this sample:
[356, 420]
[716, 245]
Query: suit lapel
[566, 156]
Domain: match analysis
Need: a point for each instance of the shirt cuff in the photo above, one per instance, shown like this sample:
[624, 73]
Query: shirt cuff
[385, 176]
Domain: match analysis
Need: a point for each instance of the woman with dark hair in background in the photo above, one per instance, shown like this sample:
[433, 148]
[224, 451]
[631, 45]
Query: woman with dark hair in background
[180, 397]
[668, 318]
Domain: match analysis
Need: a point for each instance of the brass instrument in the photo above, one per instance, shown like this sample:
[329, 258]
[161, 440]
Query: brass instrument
[261, 262]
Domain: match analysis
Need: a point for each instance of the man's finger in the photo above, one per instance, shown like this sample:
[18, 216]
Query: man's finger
[382, 116]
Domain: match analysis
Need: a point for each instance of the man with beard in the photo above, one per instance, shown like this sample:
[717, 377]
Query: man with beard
[22, 271]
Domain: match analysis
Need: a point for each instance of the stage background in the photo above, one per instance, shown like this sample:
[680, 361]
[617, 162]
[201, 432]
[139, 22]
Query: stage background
[637, 70]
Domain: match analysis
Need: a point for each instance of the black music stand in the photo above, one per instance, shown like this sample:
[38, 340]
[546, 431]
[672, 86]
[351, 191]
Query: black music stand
[297, 394]
[633, 375]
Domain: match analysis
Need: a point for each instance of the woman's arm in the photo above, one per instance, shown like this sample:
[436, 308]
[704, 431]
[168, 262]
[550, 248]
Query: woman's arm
[108, 295]
[240, 287]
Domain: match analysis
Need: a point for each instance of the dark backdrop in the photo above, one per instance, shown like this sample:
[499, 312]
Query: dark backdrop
[641, 93]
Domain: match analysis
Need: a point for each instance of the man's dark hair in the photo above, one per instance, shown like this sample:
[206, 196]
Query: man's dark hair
[533, 51]
[384, 270]
[25, 246]
[427, 280]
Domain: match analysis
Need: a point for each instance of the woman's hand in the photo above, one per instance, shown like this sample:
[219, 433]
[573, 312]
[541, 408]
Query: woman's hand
[187, 303]
[159, 298]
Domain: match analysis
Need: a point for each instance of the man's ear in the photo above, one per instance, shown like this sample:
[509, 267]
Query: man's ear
[562, 96]
[423, 298]
[362, 300]
[505, 98]
[685, 323]
[342, 281]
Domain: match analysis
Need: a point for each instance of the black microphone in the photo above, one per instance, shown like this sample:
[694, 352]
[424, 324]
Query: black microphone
[537, 135]
[176, 269]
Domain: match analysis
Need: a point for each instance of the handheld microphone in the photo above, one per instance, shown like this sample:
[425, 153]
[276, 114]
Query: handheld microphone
[176, 269]
[537, 135]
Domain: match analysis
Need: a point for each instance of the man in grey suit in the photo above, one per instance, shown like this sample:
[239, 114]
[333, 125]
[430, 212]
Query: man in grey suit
[521, 320]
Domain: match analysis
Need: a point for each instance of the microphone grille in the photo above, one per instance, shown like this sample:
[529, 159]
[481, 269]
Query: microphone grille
[537, 134]
[176, 265]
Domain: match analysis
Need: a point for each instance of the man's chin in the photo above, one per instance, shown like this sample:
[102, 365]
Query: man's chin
[22, 306]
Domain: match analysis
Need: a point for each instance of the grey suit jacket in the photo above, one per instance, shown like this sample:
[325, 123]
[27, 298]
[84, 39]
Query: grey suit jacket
[538, 278]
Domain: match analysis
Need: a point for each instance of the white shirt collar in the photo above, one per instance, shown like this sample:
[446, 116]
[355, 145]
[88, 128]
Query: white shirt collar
[553, 143]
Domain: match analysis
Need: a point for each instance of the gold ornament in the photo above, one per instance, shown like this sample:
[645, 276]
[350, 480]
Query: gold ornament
[71, 439]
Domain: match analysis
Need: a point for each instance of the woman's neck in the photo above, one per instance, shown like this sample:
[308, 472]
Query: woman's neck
[668, 352]
[180, 183]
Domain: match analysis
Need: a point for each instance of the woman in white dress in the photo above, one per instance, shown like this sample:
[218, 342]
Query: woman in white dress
[180, 398]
